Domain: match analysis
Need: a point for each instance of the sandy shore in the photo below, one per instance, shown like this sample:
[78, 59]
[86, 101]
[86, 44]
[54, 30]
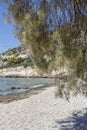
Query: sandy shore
[44, 112]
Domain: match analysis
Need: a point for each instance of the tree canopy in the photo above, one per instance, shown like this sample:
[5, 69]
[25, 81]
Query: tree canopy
[55, 31]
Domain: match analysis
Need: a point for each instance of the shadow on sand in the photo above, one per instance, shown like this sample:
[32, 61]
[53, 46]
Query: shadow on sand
[78, 121]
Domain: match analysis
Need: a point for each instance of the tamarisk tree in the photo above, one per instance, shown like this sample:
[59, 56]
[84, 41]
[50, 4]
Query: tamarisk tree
[55, 31]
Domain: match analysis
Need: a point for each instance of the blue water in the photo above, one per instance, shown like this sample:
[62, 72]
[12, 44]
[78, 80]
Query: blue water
[7, 83]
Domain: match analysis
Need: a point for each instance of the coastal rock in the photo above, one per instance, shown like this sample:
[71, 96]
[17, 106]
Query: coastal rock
[27, 72]
[18, 72]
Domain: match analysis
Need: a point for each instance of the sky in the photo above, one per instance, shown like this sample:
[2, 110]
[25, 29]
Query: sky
[7, 39]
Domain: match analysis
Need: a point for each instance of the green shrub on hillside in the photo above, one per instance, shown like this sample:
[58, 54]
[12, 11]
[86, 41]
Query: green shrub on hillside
[15, 61]
[12, 60]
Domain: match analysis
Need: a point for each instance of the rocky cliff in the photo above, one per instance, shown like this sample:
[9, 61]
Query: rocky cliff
[16, 63]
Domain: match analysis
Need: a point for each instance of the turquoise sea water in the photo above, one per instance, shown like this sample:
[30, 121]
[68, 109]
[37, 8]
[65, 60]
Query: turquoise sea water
[25, 84]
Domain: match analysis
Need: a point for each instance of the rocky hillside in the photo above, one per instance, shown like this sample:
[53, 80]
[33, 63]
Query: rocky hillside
[21, 49]
[15, 57]
[17, 63]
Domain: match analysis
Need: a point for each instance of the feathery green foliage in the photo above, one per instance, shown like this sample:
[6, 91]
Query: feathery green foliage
[56, 34]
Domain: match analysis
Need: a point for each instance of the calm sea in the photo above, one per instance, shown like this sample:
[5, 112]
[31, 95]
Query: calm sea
[23, 84]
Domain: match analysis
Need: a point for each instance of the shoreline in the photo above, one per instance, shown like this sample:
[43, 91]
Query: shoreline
[22, 95]
[19, 76]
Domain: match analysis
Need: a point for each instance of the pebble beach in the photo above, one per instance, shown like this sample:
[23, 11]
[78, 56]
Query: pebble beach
[44, 111]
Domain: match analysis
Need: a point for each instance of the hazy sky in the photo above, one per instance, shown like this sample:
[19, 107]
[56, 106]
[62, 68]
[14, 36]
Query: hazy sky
[7, 39]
